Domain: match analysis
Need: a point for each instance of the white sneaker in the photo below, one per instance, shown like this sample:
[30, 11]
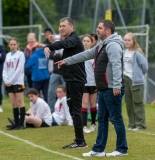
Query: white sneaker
[86, 130]
[129, 128]
[92, 128]
[1, 109]
[136, 129]
[92, 153]
[116, 153]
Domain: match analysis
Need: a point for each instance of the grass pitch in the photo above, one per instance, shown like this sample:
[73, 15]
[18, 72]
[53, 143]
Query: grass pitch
[46, 143]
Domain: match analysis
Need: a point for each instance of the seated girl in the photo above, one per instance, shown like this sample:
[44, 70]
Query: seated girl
[39, 113]
[61, 114]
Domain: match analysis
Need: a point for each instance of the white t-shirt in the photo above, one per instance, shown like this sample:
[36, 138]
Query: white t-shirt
[127, 60]
[90, 73]
[13, 70]
[61, 113]
[41, 110]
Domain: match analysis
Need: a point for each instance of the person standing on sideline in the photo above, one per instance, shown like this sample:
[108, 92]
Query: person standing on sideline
[56, 75]
[95, 39]
[47, 33]
[40, 73]
[90, 90]
[135, 67]
[2, 59]
[108, 71]
[31, 47]
[74, 76]
[13, 77]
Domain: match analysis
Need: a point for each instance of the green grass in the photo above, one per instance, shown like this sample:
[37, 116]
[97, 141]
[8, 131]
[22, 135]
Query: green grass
[49, 141]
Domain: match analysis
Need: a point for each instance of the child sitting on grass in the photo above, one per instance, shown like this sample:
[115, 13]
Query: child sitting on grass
[39, 114]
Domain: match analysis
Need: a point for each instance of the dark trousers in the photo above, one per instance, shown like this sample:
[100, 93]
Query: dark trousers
[29, 81]
[74, 101]
[42, 86]
[1, 91]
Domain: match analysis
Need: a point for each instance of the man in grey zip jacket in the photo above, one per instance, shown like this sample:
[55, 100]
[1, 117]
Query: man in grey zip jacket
[108, 56]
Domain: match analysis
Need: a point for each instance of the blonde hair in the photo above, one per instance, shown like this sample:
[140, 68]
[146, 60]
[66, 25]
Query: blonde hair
[15, 39]
[135, 46]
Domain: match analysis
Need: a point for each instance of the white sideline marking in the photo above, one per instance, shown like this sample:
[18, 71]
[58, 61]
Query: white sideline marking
[37, 146]
[152, 134]
[145, 133]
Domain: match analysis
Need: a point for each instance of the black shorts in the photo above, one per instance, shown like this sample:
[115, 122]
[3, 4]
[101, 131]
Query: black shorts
[90, 89]
[44, 124]
[15, 88]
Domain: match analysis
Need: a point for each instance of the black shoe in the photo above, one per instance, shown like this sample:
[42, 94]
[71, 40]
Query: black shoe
[75, 145]
[11, 128]
[19, 127]
[8, 125]
[11, 121]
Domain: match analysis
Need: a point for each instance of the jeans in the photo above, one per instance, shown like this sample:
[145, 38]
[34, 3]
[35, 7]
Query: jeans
[55, 80]
[42, 86]
[110, 106]
[1, 96]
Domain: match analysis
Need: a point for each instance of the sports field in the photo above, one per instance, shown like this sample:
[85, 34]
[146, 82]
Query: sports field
[46, 143]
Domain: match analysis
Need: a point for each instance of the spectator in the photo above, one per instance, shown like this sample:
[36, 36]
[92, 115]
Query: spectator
[74, 77]
[47, 33]
[108, 75]
[135, 67]
[13, 77]
[2, 59]
[31, 47]
[95, 39]
[61, 113]
[90, 90]
[40, 74]
[39, 113]
[56, 76]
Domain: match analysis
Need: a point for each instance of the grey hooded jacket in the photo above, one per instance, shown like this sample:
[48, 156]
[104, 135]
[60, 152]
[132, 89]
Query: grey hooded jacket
[114, 49]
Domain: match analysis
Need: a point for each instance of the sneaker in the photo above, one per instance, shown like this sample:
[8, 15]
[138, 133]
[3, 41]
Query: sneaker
[86, 129]
[75, 145]
[92, 128]
[130, 128]
[116, 153]
[137, 129]
[1, 109]
[92, 153]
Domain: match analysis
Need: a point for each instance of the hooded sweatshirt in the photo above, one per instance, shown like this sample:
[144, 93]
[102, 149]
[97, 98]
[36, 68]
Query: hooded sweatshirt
[39, 63]
[113, 46]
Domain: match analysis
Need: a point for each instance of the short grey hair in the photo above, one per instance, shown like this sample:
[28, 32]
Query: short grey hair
[70, 21]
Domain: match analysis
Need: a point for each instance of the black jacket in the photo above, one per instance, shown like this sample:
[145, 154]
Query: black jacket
[2, 58]
[55, 58]
[71, 45]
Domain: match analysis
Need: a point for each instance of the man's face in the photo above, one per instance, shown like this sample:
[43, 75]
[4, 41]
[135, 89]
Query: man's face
[101, 31]
[47, 34]
[65, 28]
